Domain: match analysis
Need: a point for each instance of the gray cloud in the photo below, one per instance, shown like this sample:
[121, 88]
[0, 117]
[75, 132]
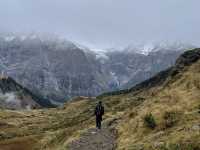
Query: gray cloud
[105, 23]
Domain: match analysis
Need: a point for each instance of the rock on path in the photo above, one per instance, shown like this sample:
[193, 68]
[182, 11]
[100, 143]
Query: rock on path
[95, 139]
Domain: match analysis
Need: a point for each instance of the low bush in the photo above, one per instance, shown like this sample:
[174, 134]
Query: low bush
[149, 121]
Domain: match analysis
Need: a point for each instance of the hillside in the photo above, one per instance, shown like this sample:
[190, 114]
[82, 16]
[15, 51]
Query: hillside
[15, 96]
[161, 113]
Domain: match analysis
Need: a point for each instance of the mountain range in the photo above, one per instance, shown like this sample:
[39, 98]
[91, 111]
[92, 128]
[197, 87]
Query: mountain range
[58, 69]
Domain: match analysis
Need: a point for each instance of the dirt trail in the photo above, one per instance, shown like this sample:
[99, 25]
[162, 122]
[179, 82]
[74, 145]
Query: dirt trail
[95, 139]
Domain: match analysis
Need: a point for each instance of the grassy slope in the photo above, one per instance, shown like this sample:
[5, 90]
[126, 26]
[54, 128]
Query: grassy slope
[182, 98]
[43, 129]
[53, 128]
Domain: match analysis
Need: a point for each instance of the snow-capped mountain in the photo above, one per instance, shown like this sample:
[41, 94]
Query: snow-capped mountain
[54, 69]
[58, 69]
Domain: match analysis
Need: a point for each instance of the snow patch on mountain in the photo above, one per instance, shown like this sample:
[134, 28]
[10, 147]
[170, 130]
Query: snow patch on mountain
[164, 46]
[101, 54]
[145, 49]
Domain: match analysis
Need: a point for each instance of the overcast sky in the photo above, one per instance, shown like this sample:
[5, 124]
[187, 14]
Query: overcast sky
[105, 23]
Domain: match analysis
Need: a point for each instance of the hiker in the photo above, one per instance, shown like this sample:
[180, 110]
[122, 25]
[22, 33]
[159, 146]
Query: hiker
[99, 112]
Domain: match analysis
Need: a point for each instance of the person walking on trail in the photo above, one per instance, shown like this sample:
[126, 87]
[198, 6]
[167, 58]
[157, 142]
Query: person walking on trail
[99, 112]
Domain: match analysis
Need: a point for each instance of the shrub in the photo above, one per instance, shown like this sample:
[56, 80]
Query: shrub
[171, 118]
[150, 121]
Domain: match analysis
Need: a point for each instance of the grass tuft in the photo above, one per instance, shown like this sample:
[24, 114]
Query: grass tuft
[171, 118]
[149, 121]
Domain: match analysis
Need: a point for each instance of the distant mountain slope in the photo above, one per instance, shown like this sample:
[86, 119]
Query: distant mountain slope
[131, 68]
[135, 64]
[15, 96]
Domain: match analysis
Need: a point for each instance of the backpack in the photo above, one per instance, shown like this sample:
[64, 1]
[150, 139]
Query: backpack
[99, 110]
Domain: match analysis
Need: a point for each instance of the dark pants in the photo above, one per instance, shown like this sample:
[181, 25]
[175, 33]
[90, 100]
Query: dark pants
[98, 121]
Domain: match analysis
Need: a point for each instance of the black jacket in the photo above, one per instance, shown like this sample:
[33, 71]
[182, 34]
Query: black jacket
[99, 110]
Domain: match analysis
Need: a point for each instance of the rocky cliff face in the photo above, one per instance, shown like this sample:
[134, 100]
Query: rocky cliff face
[58, 69]
[54, 69]
[133, 65]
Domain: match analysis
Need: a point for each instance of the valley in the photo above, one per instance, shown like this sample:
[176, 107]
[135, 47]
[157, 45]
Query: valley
[99, 75]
